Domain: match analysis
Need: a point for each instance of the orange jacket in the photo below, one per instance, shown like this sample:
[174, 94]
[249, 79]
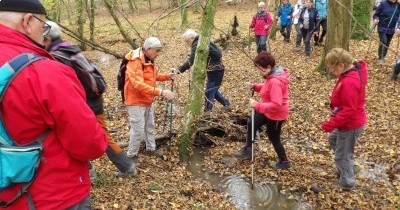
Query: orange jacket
[140, 80]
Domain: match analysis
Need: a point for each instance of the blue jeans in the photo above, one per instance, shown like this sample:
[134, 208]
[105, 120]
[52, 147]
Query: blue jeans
[307, 34]
[261, 42]
[214, 81]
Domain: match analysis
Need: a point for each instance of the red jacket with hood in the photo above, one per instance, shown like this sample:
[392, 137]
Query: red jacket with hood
[48, 94]
[348, 100]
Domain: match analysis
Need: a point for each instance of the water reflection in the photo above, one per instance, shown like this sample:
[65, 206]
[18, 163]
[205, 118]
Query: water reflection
[237, 188]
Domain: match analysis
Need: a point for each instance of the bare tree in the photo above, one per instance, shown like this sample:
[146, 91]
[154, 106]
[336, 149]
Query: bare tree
[110, 8]
[184, 14]
[80, 20]
[339, 26]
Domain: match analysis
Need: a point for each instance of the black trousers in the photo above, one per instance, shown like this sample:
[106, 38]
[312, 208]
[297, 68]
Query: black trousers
[274, 129]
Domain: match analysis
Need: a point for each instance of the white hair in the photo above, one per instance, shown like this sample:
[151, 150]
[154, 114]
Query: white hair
[11, 17]
[189, 34]
[152, 42]
[55, 31]
[261, 4]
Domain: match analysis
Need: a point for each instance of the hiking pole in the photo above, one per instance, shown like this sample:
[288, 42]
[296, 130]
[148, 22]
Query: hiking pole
[252, 143]
[248, 39]
[372, 32]
[170, 112]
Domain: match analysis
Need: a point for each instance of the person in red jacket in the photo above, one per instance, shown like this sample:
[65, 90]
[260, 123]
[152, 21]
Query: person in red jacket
[273, 108]
[47, 95]
[348, 116]
[261, 25]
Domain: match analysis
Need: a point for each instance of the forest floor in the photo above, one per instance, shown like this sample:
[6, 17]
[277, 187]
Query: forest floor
[167, 184]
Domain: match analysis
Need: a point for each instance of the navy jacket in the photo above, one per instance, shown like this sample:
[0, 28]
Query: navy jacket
[387, 13]
[213, 60]
[314, 18]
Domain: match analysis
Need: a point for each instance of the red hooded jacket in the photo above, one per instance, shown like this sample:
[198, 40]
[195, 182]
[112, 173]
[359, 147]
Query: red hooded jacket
[48, 94]
[348, 100]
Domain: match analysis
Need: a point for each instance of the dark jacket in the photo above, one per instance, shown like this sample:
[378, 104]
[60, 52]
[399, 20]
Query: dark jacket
[387, 13]
[95, 103]
[314, 18]
[214, 61]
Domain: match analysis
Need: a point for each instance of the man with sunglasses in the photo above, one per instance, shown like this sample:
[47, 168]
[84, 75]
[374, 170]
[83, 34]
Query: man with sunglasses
[46, 95]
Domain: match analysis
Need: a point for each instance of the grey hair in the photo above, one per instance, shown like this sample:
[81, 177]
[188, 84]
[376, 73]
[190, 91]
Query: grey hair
[55, 31]
[152, 42]
[189, 34]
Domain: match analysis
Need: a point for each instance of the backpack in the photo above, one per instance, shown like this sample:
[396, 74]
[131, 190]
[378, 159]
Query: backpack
[87, 71]
[18, 163]
[121, 77]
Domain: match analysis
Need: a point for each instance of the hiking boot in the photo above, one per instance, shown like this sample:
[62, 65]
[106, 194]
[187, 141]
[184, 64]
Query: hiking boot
[336, 184]
[158, 153]
[244, 153]
[131, 172]
[227, 108]
[297, 49]
[281, 165]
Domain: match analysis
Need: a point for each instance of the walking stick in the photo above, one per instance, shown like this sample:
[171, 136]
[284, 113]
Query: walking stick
[248, 40]
[170, 113]
[252, 144]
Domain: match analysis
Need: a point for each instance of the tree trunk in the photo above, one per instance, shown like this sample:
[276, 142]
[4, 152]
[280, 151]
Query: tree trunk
[91, 21]
[275, 26]
[184, 14]
[110, 9]
[130, 4]
[362, 12]
[198, 74]
[150, 8]
[339, 26]
[80, 20]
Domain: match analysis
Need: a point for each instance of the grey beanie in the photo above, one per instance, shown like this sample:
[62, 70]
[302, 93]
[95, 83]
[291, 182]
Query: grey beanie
[30, 6]
[55, 30]
[152, 42]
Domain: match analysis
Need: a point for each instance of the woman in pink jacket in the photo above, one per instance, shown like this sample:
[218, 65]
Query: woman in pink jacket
[273, 108]
[348, 116]
[261, 25]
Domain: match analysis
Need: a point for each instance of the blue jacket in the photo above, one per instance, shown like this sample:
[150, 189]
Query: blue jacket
[285, 10]
[322, 8]
[314, 18]
[387, 13]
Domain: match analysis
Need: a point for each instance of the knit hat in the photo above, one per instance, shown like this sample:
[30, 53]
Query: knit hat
[55, 30]
[152, 42]
[261, 4]
[30, 6]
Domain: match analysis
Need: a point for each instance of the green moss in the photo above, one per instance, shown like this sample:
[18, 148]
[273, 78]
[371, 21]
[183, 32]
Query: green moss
[362, 12]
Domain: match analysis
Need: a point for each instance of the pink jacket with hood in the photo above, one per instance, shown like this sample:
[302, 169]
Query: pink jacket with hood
[261, 23]
[274, 94]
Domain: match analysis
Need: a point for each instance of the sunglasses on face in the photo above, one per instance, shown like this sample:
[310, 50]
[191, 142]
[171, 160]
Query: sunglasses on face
[46, 27]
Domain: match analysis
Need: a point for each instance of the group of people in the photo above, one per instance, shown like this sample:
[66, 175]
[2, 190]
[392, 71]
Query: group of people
[49, 95]
[307, 16]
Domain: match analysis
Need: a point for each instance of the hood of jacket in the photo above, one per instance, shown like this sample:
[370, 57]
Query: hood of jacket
[278, 72]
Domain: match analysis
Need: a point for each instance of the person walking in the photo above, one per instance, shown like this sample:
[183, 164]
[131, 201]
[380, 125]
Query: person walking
[140, 90]
[386, 17]
[348, 116]
[322, 8]
[70, 55]
[46, 95]
[215, 70]
[285, 13]
[309, 21]
[261, 25]
[296, 16]
[272, 110]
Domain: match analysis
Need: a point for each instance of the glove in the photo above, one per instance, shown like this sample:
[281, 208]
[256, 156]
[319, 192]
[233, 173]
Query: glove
[173, 70]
